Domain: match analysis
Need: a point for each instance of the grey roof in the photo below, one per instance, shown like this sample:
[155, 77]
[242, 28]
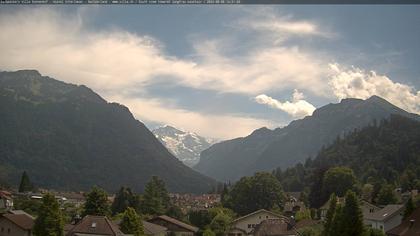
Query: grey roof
[176, 222]
[151, 229]
[256, 212]
[385, 213]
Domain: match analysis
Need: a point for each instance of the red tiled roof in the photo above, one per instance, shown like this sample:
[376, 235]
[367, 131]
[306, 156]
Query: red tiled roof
[99, 225]
[22, 221]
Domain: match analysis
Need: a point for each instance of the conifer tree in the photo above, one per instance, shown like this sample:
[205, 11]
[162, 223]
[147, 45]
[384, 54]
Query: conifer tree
[50, 220]
[131, 223]
[125, 198]
[96, 203]
[336, 227]
[330, 215]
[155, 197]
[25, 184]
[352, 217]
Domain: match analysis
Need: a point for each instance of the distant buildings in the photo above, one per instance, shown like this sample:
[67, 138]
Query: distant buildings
[188, 202]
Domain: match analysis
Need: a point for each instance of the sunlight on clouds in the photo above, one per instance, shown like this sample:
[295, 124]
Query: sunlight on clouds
[357, 83]
[297, 108]
[219, 126]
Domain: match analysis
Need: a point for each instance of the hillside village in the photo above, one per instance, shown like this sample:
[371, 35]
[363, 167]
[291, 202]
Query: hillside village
[28, 210]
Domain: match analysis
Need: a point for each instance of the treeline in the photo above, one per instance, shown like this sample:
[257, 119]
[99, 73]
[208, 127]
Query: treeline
[379, 157]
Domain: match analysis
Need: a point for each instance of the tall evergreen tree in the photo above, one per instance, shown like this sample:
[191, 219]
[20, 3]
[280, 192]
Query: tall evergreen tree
[25, 184]
[409, 208]
[131, 223]
[352, 217]
[96, 203]
[155, 197]
[336, 227]
[330, 216]
[50, 220]
[125, 198]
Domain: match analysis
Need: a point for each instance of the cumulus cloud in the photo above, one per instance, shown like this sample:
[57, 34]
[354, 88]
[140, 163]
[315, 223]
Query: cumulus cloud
[117, 62]
[356, 83]
[116, 59]
[297, 108]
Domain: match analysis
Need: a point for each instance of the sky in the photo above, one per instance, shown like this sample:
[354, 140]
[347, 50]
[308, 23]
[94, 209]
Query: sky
[221, 71]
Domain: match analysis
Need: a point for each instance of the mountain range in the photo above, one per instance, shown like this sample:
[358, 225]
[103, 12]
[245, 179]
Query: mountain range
[184, 145]
[67, 137]
[265, 149]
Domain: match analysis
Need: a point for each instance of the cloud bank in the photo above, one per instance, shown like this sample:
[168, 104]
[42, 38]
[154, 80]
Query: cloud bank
[357, 83]
[297, 108]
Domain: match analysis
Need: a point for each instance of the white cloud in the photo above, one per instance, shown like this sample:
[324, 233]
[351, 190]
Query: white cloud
[297, 108]
[208, 125]
[116, 62]
[113, 60]
[357, 83]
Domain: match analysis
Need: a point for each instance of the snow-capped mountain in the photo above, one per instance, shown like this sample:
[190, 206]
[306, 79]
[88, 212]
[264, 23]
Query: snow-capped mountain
[186, 146]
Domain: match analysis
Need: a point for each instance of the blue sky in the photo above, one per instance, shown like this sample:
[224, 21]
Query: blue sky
[221, 71]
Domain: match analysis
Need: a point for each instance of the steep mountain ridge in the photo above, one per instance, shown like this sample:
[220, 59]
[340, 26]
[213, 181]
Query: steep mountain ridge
[67, 137]
[184, 145]
[283, 147]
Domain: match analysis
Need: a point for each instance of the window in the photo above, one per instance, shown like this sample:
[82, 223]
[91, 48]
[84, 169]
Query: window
[266, 217]
[249, 226]
[8, 230]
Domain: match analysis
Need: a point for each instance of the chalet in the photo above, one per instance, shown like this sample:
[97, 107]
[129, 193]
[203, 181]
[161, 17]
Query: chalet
[174, 226]
[246, 224]
[386, 218]
[292, 207]
[274, 227]
[6, 201]
[16, 224]
[408, 227]
[94, 226]
[368, 208]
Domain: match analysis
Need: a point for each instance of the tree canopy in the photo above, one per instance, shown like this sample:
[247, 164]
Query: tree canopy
[131, 223]
[155, 198]
[50, 220]
[261, 191]
[96, 203]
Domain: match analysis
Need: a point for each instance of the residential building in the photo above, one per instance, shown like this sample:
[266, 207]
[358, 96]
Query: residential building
[246, 224]
[408, 227]
[151, 229]
[368, 208]
[386, 218]
[94, 226]
[274, 227]
[174, 226]
[6, 201]
[16, 224]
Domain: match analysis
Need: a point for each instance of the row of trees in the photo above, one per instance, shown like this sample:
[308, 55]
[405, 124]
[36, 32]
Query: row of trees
[127, 206]
[378, 158]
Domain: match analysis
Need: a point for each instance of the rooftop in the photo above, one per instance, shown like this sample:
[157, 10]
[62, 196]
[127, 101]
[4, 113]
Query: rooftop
[385, 213]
